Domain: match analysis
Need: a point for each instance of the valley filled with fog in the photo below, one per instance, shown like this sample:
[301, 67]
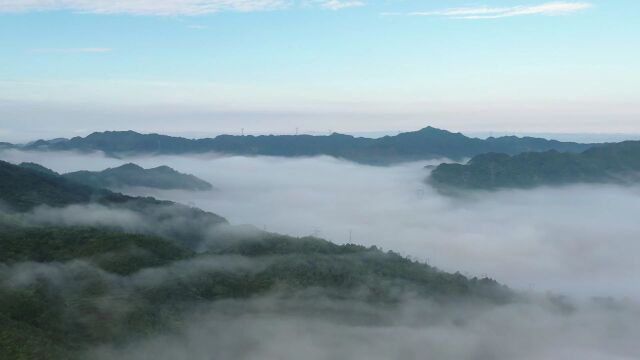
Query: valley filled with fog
[569, 252]
[319, 180]
[577, 240]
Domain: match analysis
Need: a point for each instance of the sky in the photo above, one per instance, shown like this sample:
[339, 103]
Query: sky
[204, 67]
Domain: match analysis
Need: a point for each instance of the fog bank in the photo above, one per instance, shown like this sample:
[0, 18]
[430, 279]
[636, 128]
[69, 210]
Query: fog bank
[322, 329]
[312, 326]
[579, 240]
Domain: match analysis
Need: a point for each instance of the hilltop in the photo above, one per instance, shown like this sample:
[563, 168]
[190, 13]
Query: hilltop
[161, 177]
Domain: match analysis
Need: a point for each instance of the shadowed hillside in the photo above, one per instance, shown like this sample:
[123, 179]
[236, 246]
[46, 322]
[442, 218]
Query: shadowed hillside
[69, 283]
[612, 163]
[162, 177]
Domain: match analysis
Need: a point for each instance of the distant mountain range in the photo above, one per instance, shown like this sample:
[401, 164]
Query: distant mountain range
[611, 163]
[425, 144]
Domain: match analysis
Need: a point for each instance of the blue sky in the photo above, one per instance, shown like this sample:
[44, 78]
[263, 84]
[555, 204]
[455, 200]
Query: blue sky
[210, 66]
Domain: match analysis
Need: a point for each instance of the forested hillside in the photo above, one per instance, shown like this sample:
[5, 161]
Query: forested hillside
[67, 284]
[161, 177]
[612, 163]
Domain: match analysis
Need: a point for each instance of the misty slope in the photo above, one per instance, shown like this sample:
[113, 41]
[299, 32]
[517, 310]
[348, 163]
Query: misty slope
[75, 277]
[611, 163]
[27, 188]
[428, 143]
[5, 145]
[67, 289]
[23, 188]
[38, 167]
[162, 177]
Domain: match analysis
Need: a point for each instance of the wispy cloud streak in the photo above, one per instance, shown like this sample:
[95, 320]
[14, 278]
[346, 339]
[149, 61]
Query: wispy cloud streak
[486, 12]
[166, 7]
[340, 4]
[89, 50]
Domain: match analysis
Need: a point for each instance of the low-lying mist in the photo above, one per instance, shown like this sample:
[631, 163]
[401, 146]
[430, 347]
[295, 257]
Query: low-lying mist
[576, 240]
[580, 241]
[319, 329]
[313, 326]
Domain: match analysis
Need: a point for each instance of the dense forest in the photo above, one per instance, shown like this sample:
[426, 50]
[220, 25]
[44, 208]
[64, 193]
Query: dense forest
[611, 163]
[68, 285]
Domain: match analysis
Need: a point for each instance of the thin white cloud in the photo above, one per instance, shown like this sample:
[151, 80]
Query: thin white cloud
[341, 4]
[486, 12]
[165, 7]
[89, 50]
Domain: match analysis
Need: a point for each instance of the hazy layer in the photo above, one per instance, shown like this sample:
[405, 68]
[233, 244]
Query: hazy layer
[321, 329]
[579, 240]
[310, 325]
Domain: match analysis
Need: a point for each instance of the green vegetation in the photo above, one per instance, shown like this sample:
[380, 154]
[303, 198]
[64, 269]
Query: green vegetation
[23, 188]
[38, 167]
[428, 143]
[112, 251]
[28, 186]
[64, 289]
[162, 177]
[611, 163]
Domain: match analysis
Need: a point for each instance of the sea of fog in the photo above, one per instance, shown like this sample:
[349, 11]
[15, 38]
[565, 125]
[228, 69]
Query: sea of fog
[578, 240]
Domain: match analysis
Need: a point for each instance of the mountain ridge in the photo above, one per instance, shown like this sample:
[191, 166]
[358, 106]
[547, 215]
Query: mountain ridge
[130, 174]
[425, 144]
[617, 163]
